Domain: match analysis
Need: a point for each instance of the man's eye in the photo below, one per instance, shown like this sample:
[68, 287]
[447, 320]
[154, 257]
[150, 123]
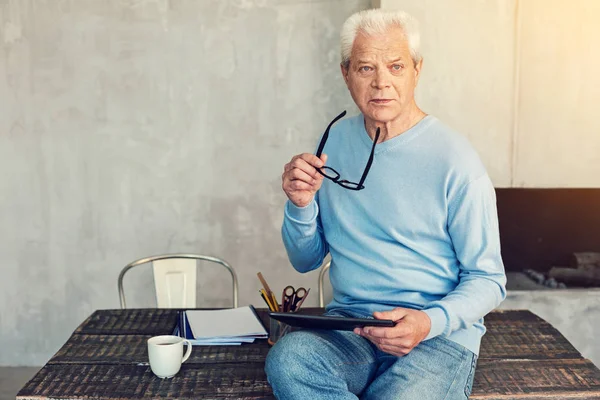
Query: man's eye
[365, 68]
[397, 67]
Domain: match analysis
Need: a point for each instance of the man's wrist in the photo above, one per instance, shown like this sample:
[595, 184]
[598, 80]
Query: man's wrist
[302, 214]
[427, 323]
[439, 321]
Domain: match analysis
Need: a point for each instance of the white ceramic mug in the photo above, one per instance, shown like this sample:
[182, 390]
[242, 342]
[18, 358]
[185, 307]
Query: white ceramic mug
[165, 354]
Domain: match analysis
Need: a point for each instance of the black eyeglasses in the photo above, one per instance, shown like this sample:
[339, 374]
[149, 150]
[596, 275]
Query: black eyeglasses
[331, 173]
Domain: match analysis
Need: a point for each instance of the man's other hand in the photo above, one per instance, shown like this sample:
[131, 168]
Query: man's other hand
[301, 180]
[412, 326]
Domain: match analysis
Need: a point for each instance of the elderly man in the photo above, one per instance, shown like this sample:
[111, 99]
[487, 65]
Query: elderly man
[408, 215]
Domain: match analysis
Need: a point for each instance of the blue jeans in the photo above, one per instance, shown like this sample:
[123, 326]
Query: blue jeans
[323, 364]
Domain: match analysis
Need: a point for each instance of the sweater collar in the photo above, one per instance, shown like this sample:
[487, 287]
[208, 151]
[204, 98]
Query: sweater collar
[399, 140]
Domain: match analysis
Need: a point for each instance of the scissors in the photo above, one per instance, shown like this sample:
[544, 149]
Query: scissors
[292, 299]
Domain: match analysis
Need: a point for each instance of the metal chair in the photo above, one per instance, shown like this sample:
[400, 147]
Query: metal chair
[324, 269]
[175, 279]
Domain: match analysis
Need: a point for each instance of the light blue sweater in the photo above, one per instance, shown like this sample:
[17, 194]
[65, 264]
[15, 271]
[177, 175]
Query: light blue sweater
[423, 234]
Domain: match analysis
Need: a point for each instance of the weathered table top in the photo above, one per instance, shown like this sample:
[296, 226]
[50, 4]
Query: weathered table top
[522, 356]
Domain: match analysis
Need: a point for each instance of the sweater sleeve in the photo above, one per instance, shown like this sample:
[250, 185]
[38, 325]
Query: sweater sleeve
[473, 228]
[303, 236]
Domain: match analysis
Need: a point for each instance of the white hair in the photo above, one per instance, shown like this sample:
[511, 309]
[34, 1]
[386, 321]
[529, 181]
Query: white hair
[376, 22]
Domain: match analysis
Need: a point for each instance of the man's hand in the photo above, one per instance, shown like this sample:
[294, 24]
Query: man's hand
[412, 326]
[301, 180]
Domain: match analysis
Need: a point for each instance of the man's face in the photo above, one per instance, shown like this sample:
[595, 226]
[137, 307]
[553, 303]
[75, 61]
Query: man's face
[381, 75]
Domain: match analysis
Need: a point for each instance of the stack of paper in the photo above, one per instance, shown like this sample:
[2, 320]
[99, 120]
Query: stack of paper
[231, 326]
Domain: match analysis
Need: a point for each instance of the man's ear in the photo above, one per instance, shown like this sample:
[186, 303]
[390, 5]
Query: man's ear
[345, 72]
[418, 67]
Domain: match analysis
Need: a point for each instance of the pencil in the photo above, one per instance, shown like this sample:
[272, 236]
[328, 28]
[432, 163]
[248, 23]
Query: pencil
[266, 299]
[269, 293]
[264, 283]
[275, 301]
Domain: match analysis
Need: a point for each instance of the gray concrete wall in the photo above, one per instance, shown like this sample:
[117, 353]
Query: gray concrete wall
[489, 60]
[131, 128]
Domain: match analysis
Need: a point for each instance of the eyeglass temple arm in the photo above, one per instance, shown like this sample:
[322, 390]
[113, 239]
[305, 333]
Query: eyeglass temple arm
[326, 134]
[368, 167]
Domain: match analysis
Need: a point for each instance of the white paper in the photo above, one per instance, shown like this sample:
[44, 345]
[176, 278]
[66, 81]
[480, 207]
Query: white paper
[234, 324]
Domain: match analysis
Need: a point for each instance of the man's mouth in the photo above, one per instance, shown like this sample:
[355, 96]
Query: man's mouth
[381, 101]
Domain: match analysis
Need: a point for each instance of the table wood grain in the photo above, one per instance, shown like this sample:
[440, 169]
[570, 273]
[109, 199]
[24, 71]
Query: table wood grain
[522, 357]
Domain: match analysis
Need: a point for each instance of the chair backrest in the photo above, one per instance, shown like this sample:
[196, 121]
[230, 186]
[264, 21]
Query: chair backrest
[175, 279]
[324, 269]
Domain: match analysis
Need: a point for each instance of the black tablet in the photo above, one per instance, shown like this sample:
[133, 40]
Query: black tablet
[325, 322]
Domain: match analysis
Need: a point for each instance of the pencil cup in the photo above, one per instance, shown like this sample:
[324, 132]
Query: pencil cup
[277, 330]
[166, 354]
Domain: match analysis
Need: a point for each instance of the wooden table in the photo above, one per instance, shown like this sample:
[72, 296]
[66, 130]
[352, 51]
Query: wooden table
[522, 356]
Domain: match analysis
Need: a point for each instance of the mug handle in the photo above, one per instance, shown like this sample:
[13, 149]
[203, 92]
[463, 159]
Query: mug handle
[188, 352]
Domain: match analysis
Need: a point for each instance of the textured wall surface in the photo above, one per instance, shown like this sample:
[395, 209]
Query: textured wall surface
[468, 72]
[519, 78]
[558, 132]
[131, 128]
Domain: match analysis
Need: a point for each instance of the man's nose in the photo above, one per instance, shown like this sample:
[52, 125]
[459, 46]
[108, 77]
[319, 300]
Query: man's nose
[381, 80]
